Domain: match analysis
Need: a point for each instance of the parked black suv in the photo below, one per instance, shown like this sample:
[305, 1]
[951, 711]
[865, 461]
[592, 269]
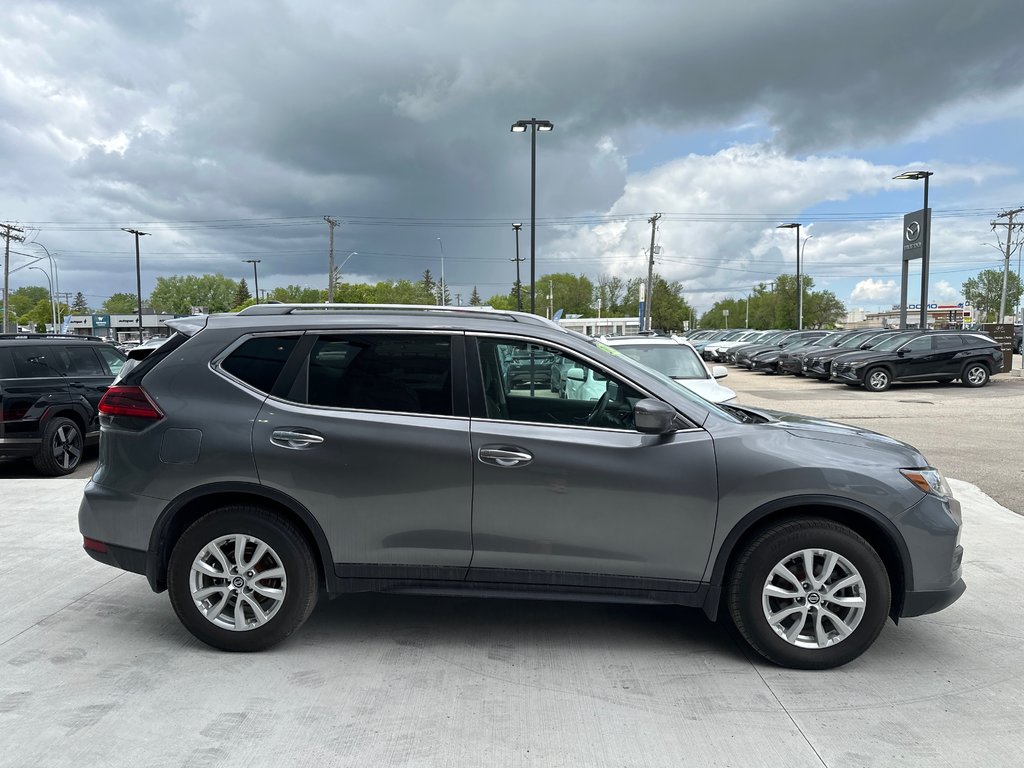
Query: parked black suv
[921, 356]
[50, 386]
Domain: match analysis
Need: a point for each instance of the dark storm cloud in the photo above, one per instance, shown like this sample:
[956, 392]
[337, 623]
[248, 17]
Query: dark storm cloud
[127, 111]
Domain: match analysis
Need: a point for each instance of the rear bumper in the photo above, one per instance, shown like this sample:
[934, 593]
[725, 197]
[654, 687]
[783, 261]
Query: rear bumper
[931, 601]
[126, 559]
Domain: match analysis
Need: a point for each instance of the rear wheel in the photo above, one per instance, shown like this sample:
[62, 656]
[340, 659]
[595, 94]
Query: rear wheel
[975, 375]
[809, 594]
[877, 379]
[242, 578]
[61, 449]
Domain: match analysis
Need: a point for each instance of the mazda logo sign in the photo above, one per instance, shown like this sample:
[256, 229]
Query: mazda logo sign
[913, 231]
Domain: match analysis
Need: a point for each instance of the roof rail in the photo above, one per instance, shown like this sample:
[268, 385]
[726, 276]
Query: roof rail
[27, 335]
[402, 309]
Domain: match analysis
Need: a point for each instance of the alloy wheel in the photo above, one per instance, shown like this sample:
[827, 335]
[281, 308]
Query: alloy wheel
[238, 582]
[67, 446]
[814, 598]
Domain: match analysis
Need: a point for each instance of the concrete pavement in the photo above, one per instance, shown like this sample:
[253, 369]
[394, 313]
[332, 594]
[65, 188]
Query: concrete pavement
[96, 670]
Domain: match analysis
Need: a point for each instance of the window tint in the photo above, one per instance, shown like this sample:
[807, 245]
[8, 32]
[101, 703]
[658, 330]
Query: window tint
[920, 344]
[110, 356]
[410, 373]
[83, 361]
[529, 382]
[6, 365]
[259, 361]
[39, 361]
[948, 341]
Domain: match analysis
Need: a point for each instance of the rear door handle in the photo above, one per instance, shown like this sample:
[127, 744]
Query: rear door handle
[294, 438]
[504, 456]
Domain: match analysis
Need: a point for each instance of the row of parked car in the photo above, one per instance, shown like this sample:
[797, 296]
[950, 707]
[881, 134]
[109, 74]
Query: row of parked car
[870, 358]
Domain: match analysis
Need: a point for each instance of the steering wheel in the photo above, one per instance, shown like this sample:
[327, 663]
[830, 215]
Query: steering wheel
[598, 412]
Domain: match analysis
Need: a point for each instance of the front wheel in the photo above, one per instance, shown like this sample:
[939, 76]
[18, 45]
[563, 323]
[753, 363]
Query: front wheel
[242, 578]
[877, 380]
[809, 594]
[975, 375]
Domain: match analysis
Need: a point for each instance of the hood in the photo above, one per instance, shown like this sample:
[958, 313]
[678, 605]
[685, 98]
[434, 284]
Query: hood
[809, 428]
[866, 355]
[748, 349]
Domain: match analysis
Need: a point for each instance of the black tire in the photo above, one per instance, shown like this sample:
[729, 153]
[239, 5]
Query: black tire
[287, 549]
[877, 379]
[60, 451]
[975, 375]
[772, 547]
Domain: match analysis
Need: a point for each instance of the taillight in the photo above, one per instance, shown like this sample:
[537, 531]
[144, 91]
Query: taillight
[129, 401]
[94, 545]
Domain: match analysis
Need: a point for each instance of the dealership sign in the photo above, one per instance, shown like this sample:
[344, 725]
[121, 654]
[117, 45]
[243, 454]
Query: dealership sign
[914, 235]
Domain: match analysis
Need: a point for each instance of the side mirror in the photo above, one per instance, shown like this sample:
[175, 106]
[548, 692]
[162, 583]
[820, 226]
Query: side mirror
[719, 371]
[653, 417]
[900, 353]
[576, 374]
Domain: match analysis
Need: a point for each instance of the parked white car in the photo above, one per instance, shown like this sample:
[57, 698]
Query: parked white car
[673, 357]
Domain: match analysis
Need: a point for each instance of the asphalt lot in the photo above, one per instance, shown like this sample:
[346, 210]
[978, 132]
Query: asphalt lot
[96, 669]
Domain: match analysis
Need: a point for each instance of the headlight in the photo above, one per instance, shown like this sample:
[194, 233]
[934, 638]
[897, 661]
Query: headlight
[928, 480]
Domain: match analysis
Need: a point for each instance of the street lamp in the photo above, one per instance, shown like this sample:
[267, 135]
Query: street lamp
[520, 126]
[55, 297]
[49, 282]
[138, 272]
[344, 262]
[799, 285]
[255, 276]
[926, 248]
[519, 285]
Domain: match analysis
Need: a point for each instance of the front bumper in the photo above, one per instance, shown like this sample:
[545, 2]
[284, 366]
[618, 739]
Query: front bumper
[847, 373]
[919, 603]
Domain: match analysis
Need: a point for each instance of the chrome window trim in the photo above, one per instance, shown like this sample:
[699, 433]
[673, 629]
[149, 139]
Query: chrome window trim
[336, 409]
[579, 426]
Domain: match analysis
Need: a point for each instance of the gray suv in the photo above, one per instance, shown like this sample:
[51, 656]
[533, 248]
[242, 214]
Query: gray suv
[256, 460]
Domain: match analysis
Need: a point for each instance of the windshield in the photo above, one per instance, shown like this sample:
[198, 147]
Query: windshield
[888, 345]
[855, 340]
[676, 361]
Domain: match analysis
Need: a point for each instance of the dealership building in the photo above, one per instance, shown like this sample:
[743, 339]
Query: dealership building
[118, 327]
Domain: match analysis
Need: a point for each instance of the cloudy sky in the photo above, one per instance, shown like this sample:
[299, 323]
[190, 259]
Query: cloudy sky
[228, 130]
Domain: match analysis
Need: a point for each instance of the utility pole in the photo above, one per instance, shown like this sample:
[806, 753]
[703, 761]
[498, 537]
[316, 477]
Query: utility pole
[653, 221]
[330, 261]
[1010, 246]
[8, 234]
[255, 276]
[551, 300]
[517, 260]
[138, 273]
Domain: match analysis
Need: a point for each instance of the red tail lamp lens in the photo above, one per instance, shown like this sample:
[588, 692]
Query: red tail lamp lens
[129, 401]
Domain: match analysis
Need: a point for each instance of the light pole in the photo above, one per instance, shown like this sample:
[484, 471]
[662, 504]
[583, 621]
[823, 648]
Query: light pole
[138, 272]
[49, 282]
[926, 235]
[519, 285]
[255, 276]
[344, 262]
[520, 126]
[54, 299]
[441, 297]
[799, 286]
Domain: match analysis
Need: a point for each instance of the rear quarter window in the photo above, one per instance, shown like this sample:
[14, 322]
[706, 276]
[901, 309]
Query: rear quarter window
[258, 361]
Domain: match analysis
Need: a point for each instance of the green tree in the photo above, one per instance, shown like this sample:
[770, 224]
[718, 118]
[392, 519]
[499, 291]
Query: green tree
[822, 309]
[984, 291]
[299, 294]
[474, 298]
[669, 310]
[506, 301]
[80, 306]
[179, 293]
[572, 293]
[24, 299]
[242, 294]
[121, 304]
[611, 291]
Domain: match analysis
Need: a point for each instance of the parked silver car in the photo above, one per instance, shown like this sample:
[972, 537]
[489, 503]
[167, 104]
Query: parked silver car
[255, 460]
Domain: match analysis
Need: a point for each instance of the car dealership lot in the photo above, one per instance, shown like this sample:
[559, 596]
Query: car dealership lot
[97, 669]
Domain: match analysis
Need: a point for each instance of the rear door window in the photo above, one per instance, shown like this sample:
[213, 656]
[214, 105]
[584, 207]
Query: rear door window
[111, 359]
[407, 373]
[84, 361]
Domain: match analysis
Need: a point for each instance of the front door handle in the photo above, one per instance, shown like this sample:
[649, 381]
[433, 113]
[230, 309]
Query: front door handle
[294, 438]
[504, 456]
